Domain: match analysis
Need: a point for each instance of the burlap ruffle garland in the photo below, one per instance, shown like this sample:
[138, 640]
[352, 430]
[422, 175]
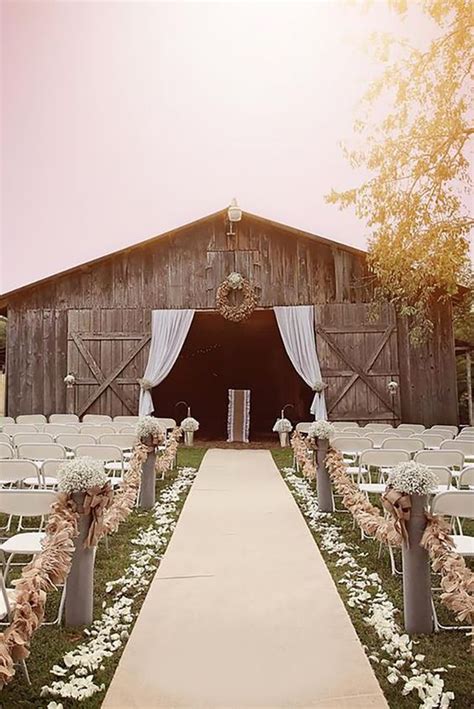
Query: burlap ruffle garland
[46, 571]
[301, 451]
[51, 567]
[164, 462]
[457, 580]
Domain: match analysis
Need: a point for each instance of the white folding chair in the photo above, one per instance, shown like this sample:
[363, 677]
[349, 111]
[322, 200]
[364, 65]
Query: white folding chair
[466, 478]
[49, 473]
[96, 430]
[5, 438]
[415, 427]
[26, 503]
[345, 424]
[12, 428]
[411, 445]
[56, 429]
[445, 478]
[127, 429]
[6, 451]
[456, 504]
[168, 424]
[72, 440]
[125, 441]
[383, 460]
[378, 437]
[126, 419]
[31, 419]
[4, 420]
[441, 431]
[14, 473]
[432, 441]
[64, 418]
[466, 448]
[96, 418]
[402, 433]
[446, 427]
[378, 427]
[465, 436]
[19, 438]
[110, 455]
[303, 427]
[351, 447]
[454, 460]
[40, 452]
[464, 429]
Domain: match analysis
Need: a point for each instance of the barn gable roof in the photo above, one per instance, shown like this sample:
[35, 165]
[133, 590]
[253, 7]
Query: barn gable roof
[5, 297]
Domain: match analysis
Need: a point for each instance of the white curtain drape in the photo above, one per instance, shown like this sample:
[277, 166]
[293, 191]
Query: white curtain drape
[296, 325]
[169, 329]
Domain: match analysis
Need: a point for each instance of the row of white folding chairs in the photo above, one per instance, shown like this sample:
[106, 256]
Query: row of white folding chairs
[356, 448]
[41, 419]
[66, 418]
[445, 480]
[39, 452]
[449, 429]
[411, 444]
[70, 440]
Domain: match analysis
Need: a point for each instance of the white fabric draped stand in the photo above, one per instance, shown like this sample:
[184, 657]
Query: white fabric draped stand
[296, 325]
[169, 329]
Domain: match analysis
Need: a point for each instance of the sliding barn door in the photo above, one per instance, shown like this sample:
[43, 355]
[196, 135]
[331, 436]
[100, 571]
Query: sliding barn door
[358, 358]
[107, 351]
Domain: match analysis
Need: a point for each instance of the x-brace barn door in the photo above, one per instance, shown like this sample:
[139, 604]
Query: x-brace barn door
[358, 358]
[107, 352]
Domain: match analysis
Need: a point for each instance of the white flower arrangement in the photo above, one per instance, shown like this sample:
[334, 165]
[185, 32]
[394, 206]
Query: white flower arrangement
[145, 384]
[392, 649]
[78, 676]
[321, 429]
[282, 426]
[392, 387]
[149, 426]
[69, 380]
[235, 280]
[412, 478]
[319, 387]
[189, 424]
[80, 474]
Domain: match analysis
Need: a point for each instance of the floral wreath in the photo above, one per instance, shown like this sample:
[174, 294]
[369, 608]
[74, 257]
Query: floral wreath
[236, 313]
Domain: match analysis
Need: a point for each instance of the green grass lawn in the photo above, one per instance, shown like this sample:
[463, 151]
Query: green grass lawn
[441, 649]
[51, 643]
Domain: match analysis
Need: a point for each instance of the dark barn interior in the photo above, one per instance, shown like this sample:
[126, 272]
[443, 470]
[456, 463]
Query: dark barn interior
[219, 355]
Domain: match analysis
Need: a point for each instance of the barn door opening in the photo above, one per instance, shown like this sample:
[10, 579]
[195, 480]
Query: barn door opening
[107, 352]
[219, 355]
[358, 358]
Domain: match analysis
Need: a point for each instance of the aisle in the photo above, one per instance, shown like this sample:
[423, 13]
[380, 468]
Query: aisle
[242, 612]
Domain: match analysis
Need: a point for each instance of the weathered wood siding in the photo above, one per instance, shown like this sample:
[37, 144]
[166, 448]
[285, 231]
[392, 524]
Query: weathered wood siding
[358, 358]
[428, 373]
[36, 361]
[183, 270]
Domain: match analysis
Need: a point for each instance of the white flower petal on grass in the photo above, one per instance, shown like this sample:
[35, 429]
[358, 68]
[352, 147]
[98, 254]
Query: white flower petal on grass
[111, 630]
[364, 590]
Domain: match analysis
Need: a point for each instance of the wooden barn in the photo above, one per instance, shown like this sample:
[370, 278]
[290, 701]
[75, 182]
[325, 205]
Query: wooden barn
[94, 321]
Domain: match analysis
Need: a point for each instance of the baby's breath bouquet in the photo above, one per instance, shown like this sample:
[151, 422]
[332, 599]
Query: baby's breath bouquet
[81, 474]
[321, 429]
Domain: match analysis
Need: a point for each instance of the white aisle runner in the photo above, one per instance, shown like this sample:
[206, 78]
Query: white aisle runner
[242, 612]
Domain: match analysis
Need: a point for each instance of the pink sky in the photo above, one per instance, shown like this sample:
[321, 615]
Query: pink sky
[124, 120]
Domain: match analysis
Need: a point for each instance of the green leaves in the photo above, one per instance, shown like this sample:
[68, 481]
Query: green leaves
[418, 245]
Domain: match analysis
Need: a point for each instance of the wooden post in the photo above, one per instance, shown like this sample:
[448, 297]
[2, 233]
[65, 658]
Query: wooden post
[323, 481]
[416, 573]
[469, 388]
[147, 488]
[79, 601]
